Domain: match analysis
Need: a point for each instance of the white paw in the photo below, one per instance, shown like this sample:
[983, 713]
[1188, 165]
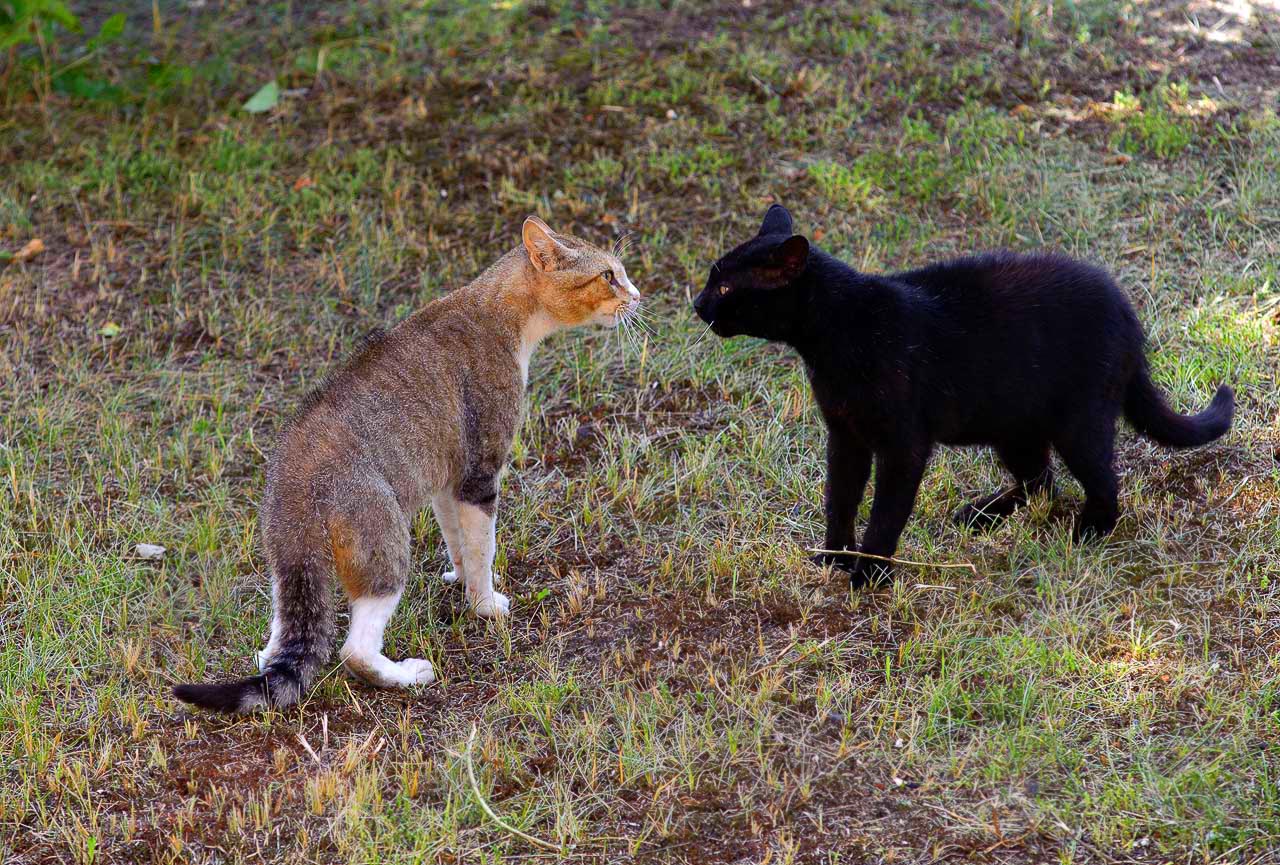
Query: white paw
[494, 605]
[263, 660]
[415, 671]
[449, 577]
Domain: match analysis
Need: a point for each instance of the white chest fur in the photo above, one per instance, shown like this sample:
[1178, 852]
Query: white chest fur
[537, 328]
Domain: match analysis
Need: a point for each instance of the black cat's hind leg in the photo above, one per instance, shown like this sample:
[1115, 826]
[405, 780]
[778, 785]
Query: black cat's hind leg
[1032, 473]
[1088, 450]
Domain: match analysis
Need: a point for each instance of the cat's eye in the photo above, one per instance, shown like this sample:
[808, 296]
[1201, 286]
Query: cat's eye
[724, 289]
[607, 276]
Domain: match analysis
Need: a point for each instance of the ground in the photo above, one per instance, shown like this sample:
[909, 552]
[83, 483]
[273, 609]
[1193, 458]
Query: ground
[676, 683]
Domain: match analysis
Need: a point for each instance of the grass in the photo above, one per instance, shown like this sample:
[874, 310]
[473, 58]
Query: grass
[676, 683]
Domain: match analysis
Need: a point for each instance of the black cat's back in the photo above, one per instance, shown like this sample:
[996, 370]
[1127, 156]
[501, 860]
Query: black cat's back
[1020, 343]
[1043, 291]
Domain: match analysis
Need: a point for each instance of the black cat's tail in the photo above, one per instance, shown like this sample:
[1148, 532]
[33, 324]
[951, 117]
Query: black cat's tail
[1146, 409]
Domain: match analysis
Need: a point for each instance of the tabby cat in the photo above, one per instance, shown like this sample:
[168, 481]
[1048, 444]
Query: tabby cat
[424, 414]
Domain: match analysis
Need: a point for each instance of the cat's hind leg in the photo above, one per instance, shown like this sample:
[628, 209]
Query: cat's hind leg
[1088, 450]
[1032, 473]
[362, 652]
[370, 544]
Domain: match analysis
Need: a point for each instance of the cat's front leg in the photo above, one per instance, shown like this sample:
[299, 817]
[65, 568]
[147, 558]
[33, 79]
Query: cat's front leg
[445, 507]
[898, 475]
[848, 468]
[477, 519]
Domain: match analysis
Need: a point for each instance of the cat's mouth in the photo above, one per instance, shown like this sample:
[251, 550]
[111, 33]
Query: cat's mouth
[620, 315]
[719, 328]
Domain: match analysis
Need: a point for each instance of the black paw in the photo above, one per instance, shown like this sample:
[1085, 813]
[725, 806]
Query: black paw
[871, 574]
[1093, 527]
[832, 560]
[863, 572]
[974, 516]
[986, 512]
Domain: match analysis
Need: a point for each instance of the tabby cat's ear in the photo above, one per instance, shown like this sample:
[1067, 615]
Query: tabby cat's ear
[545, 252]
[792, 256]
[777, 220]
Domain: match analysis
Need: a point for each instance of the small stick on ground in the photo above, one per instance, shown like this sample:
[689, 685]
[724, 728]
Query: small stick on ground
[968, 565]
[475, 789]
[310, 750]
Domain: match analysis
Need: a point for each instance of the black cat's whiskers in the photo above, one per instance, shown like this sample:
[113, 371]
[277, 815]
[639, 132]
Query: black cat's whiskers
[701, 336]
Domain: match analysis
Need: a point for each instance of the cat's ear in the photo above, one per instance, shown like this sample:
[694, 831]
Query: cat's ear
[792, 256]
[545, 252]
[777, 220]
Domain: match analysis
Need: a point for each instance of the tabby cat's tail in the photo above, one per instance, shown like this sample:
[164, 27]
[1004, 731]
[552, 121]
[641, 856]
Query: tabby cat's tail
[301, 635]
[1146, 409]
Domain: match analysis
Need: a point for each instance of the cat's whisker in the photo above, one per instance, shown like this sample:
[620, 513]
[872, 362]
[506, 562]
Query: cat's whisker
[641, 329]
[623, 326]
[701, 336]
[638, 340]
[644, 325]
[640, 314]
[640, 310]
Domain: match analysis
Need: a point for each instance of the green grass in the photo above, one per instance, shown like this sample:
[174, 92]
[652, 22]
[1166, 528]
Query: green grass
[676, 684]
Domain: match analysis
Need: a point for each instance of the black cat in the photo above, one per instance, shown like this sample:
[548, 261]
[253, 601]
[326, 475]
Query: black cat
[1019, 352]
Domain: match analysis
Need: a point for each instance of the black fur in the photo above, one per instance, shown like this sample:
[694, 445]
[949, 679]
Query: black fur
[1020, 352]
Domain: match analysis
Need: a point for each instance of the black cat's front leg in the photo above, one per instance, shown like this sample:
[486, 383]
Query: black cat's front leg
[848, 468]
[898, 475]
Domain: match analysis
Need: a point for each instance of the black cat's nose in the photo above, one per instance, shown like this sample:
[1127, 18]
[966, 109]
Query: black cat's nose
[700, 307]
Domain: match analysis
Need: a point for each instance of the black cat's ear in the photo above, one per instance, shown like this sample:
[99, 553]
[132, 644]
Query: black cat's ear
[792, 256]
[776, 221]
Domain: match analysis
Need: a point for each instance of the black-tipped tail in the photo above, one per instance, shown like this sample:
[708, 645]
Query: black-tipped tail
[226, 697]
[302, 630]
[1146, 409]
[280, 685]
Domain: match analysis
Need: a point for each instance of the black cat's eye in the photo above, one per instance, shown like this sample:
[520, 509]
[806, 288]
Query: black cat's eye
[724, 289]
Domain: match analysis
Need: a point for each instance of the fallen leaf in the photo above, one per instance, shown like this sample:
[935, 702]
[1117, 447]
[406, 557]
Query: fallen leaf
[34, 247]
[109, 330]
[264, 100]
[303, 182]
